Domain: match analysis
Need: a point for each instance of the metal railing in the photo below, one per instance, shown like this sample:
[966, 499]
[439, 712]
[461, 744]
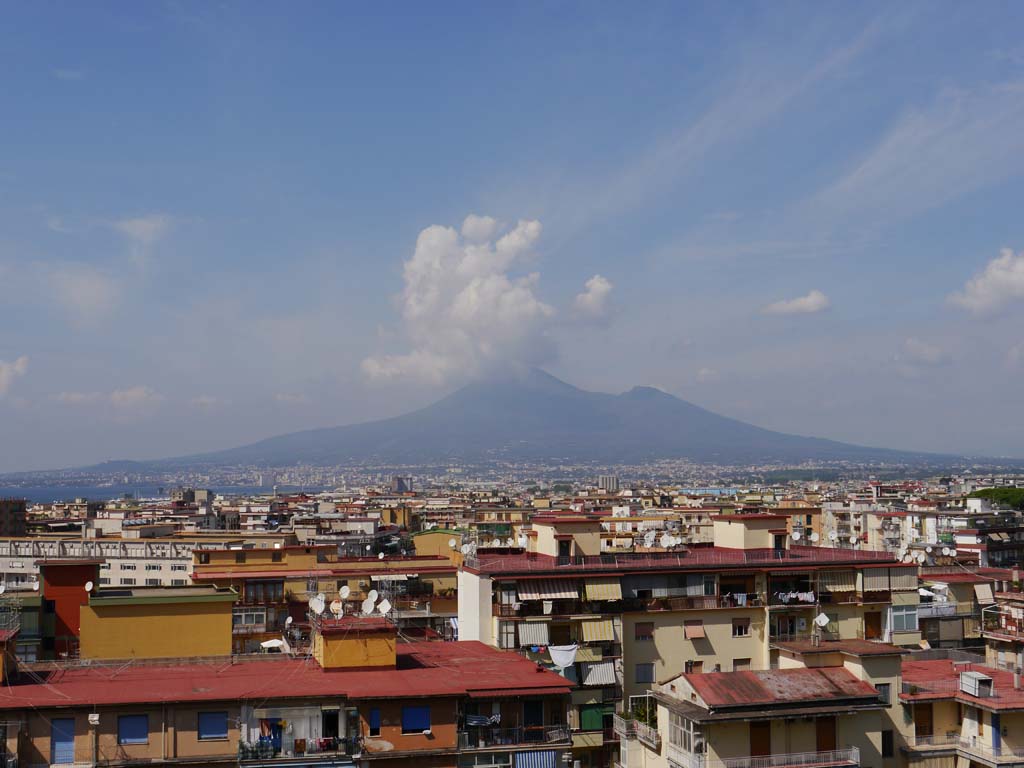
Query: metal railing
[836, 757]
[631, 728]
[486, 737]
[985, 750]
[949, 739]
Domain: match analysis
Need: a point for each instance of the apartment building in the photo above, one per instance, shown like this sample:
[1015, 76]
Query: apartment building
[616, 624]
[12, 516]
[422, 704]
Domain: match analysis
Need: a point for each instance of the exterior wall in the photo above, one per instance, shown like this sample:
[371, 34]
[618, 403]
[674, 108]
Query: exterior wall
[475, 608]
[354, 651]
[65, 586]
[443, 733]
[156, 631]
[670, 649]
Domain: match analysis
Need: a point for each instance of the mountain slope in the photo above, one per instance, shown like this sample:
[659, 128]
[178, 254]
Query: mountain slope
[537, 416]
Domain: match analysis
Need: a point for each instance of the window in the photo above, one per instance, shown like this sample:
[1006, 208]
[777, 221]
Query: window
[62, 740]
[741, 627]
[248, 617]
[693, 667]
[833, 624]
[128, 582]
[643, 630]
[275, 556]
[103, 566]
[374, 722]
[152, 582]
[213, 726]
[239, 557]
[809, 519]
[644, 673]
[179, 567]
[507, 634]
[49, 606]
[904, 618]
[740, 665]
[127, 566]
[204, 558]
[685, 734]
[104, 580]
[487, 760]
[415, 719]
[133, 729]
[153, 567]
[888, 749]
[178, 582]
[884, 695]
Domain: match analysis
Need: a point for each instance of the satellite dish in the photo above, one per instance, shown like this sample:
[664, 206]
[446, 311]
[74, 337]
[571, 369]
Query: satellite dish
[368, 547]
[921, 556]
[3, 588]
[344, 592]
[288, 621]
[953, 551]
[908, 559]
[380, 556]
[316, 605]
[337, 607]
[384, 607]
[451, 543]
[945, 551]
[35, 586]
[321, 596]
[88, 586]
[372, 595]
[815, 536]
[510, 542]
[665, 541]
[928, 550]
[795, 535]
[464, 549]
[522, 540]
[821, 620]
[367, 606]
[833, 535]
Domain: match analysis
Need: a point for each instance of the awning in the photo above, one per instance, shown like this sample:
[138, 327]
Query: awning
[533, 633]
[693, 629]
[876, 580]
[903, 579]
[838, 581]
[548, 589]
[538, 759]
[598, 673]
[984, 594]
[603, 589]
[389, 577]
[598, 631]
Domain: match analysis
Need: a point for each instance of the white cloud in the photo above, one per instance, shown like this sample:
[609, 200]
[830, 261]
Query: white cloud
[815, 301]
[462, 310]
[84, 292]
[144, 230]
[291, 398]
[595, 300]
[479, 229]
[998, 284]
[920, 352]
[134, 397]
[11, 371]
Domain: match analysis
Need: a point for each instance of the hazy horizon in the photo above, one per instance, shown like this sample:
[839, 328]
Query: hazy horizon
[226, 223]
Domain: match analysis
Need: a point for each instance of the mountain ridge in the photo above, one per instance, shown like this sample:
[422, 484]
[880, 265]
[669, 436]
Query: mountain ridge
[536, 416]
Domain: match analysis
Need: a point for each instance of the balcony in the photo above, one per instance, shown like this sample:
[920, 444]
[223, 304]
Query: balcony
[936, 743]
[330, 751]
[631, 728]
[837, 757]
[488, 738]
[987, 753]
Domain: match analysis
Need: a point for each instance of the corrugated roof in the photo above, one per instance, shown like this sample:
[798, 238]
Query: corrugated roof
[424, 669]
[778, 686]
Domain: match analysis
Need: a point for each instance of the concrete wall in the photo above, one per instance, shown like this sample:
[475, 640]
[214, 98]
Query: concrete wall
[152, 631]
[475, 622]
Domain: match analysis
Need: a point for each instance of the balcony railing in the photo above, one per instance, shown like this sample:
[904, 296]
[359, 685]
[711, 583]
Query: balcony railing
[486, 737]
[1008, 754]
[264, 748]
[836, 757]
[938, 741]
[631, 728]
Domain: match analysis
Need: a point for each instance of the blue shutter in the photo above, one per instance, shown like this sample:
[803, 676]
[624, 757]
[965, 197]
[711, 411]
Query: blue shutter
[62, 740]
[375, 722]
[415, 719]
[213, 725]
[133, 729]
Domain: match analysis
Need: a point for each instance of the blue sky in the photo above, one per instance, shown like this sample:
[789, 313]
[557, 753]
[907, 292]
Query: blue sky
[224, 221]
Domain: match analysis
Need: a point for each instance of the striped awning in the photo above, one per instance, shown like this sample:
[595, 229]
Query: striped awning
[984, 594]
[541, 758]
[598, 631]
[876, 580]
[548, 589]
[533, 633]
[598, 673]
[388, 577]
[903, 579]
[608, 588]
[838, 581]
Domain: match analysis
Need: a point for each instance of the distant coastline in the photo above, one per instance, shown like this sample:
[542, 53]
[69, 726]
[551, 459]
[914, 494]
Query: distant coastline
[45, 494]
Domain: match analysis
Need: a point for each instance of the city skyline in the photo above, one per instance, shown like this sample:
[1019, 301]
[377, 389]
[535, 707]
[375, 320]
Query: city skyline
[222, 224]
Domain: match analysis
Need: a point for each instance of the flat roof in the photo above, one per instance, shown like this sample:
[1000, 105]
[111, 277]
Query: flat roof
[779, 686]
[939, 679]
[851, 647]
[463, 668]
[204, 593]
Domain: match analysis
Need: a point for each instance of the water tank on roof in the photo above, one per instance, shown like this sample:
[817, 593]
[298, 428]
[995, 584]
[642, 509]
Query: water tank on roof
[976, 684]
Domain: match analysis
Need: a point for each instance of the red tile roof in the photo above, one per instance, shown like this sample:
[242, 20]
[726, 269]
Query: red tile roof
[424, 669]
[940, 679]
[778, 686]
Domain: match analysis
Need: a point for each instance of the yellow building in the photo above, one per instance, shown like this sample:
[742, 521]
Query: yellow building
[156, 623]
